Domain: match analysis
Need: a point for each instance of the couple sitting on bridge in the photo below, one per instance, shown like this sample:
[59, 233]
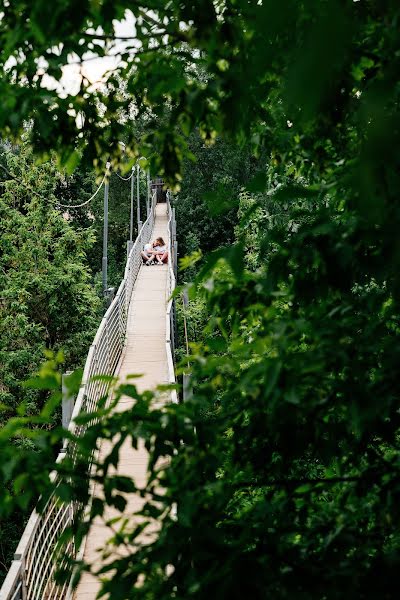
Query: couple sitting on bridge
[155, 253]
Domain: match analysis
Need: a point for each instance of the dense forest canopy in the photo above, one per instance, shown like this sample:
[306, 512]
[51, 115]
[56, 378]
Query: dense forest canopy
[277, 125]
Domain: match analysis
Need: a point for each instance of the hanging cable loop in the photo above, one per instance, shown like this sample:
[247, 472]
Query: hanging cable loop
[125, 178]
[57, 203]
[86, 201]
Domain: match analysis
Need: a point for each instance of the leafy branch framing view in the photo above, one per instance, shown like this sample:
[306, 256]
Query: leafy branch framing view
[276, 125]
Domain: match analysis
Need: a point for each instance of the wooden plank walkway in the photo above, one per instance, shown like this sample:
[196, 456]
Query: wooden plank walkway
[144, 353]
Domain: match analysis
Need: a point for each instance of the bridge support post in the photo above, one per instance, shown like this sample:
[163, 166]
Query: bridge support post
[173, 225]
[139, 222]
[131, 213]
[187, 387]
[175, 259]
[109, 296]
[129, 245]
[148, 196]
[24, 590]
[105, 238]
[68, 401]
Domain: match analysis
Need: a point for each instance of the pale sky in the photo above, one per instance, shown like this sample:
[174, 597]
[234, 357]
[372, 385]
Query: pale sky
[93, 69]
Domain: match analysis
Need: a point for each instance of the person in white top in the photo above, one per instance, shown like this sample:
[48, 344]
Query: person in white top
[161, 252]
[148, 253]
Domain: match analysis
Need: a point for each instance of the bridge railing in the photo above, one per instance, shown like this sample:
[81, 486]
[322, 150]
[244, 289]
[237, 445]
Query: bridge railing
[31, 575]
[171, 283]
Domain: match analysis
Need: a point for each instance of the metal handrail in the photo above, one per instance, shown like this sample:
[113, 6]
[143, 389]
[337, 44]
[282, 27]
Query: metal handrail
[30, 576]
[171, 284]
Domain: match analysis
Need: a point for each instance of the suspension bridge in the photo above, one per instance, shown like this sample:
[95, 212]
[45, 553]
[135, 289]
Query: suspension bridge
[136, 335]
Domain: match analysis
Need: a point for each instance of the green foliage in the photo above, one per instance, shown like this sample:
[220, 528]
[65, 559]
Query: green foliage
[208, 199]
[282, 476]
[234, 71]
[78, 188]
[46, 301]
[195, 314]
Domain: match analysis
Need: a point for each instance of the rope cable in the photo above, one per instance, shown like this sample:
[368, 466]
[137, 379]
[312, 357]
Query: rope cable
[56, 201]
[86, 201]
[125, 178]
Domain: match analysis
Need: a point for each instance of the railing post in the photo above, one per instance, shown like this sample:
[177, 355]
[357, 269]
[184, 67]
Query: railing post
[131, 212]
[97, 384]
[107, 347]
[175, 329]
[24, 590]
[129, 245]
[148, 195]
[187, 387]
[128, 287]
[105, 238]
[139, 222]
[68, 402]
[175, 257]
[173, 225]
[120, 323]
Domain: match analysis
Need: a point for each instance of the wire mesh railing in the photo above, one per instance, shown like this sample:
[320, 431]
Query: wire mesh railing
[31, 575]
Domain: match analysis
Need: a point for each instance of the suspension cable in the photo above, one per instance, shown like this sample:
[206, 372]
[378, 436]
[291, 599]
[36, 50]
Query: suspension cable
[56, 202]
[125, 178]
[86, 201]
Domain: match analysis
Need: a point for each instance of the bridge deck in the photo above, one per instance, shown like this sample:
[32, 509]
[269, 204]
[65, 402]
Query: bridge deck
[144, 353]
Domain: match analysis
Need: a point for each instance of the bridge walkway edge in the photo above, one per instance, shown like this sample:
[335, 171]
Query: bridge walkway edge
[144, 353]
